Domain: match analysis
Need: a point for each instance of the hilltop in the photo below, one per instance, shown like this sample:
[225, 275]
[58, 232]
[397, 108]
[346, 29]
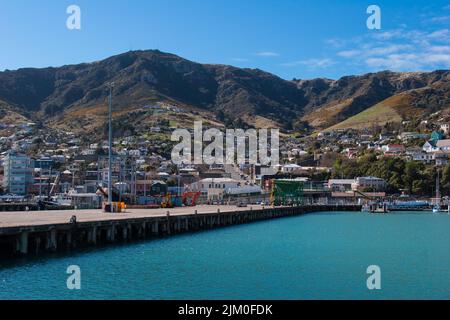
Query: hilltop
[74, 97]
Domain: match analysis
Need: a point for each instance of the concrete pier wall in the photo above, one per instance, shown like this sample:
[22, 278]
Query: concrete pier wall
[33, 240]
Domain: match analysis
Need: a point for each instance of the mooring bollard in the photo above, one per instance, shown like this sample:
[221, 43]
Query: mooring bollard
[168, 223]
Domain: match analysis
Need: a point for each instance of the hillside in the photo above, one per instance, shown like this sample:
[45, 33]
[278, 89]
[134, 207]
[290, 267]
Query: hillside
[335, 101]
[77, 92]
[75, 96]
[418, 103]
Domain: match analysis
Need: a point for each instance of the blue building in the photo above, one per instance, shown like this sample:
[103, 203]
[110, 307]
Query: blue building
[44, 163]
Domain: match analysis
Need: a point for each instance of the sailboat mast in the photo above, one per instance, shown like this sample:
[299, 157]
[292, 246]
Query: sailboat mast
[438, 195]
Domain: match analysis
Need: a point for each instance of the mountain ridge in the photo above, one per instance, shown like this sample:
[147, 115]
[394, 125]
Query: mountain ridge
[232, 95]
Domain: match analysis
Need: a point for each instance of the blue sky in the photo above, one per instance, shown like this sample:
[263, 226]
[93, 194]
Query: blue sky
[290, 38]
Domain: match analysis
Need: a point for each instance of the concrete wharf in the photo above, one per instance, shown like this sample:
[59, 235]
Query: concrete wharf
[35, 232]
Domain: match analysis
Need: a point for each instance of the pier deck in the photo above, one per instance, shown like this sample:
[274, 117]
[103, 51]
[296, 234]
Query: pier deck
[34, 232]
[36, 218]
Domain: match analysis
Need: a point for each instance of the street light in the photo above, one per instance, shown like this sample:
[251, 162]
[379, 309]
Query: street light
[111, 86]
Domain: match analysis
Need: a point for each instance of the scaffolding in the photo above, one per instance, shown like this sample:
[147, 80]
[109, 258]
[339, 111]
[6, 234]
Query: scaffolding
[286, 193]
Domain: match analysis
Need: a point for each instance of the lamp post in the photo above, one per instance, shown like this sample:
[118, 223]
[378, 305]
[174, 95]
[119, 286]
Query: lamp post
[111, 86]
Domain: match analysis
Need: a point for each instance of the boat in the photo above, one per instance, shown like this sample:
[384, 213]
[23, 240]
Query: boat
[62, 199]
[59, 199]
[414, 205]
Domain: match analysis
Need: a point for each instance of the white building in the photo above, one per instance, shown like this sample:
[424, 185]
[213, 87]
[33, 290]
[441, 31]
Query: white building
[422, 156]
[245, 190]
[214, 183]
[393, 148]
[340, 185]
[443, 145]
[430, 146]
[374, 183]
[290, 168]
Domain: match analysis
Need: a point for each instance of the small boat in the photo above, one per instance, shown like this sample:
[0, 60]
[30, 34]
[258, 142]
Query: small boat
[437, 209]
[62, 199]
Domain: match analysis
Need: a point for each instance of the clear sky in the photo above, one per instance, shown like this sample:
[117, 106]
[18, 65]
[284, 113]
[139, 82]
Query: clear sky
[290, 38]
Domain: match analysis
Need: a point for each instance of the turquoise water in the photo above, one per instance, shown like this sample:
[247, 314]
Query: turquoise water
[316, 256]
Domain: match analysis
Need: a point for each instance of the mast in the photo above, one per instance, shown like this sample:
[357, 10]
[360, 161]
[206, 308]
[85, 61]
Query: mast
[110, 145]
[438, 194]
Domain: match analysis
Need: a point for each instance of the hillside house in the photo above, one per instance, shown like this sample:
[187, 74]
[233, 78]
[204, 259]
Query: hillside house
[430, 146]
[443, 145]
[393, 148]
[408, 136]
[440, 158]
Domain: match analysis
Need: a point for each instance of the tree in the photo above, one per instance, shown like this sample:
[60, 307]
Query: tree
[412, 174]
[445, 180]
[337, 168]
[418, 187]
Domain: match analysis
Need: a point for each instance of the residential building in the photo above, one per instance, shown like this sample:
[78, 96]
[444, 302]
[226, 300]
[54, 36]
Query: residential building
[369, 183]
[407, 136]
[430, 146]
[435, 136]
[440, 158]
[394, 148]
[351, 153]
[386, 136]
[421, 156]
[340, 185]
[443, 145]
[18, 173]
[44, 163]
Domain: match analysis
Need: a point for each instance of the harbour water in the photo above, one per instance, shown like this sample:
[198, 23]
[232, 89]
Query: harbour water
[315, 256]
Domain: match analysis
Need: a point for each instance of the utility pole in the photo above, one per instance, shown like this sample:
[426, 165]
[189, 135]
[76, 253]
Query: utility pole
[111, 85]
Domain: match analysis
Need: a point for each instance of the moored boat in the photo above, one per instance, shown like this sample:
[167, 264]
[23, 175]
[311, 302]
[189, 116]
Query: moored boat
[415, 205]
